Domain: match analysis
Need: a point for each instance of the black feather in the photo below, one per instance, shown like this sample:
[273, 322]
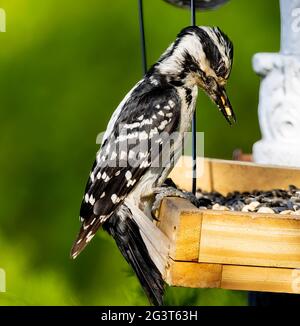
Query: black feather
[143, 101]
[129, 240]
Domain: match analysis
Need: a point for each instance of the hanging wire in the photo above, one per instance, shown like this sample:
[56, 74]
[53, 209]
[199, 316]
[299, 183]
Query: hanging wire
[194, 126]
[142, 35]
[144, 66]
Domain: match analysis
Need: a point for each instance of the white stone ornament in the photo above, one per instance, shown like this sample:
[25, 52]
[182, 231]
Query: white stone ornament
[279, 97]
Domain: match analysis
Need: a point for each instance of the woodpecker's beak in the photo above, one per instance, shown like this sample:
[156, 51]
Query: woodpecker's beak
[223, 103]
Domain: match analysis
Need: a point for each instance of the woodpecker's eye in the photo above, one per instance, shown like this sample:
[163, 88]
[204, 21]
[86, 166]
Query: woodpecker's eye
[193, 67]
[221, 70]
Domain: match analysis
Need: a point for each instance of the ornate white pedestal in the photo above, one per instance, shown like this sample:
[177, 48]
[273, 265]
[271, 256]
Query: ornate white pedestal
[279, 98]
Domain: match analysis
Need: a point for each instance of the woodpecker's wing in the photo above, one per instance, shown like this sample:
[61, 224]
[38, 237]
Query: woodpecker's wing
[126, 154]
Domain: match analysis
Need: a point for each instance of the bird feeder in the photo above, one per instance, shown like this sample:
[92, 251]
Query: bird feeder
[231, 250]
[241, 250]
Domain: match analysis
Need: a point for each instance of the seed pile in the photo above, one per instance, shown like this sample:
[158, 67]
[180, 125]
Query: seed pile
[273, 201]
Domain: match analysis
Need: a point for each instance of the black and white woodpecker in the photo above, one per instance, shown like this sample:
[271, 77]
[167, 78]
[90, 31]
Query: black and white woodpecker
[162, 102]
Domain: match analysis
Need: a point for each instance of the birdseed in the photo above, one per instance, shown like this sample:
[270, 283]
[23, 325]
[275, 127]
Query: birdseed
[276, 201]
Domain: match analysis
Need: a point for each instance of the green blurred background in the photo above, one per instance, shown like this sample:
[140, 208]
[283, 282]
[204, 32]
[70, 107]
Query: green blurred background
[64, 67]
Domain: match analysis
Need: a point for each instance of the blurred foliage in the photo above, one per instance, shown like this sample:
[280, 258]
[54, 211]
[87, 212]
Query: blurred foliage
[64, 67]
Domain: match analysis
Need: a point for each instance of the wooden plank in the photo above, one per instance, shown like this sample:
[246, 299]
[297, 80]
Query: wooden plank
[194, 275]
[181, 174]
[230, 176]
[180, 221]
[250, 239]
[260, 279]
[226, 176]
[223, 237]
[233, 277]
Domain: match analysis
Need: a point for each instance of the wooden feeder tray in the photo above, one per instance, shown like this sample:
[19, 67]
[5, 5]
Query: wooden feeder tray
[232, 250]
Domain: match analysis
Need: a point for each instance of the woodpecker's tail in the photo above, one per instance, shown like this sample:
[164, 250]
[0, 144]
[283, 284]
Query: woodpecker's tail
[127, 235]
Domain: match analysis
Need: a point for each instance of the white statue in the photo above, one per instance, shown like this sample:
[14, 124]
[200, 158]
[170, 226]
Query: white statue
[279, 98]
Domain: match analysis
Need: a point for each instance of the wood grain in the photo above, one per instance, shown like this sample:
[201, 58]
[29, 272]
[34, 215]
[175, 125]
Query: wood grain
[233, 277]
[180, 221]
[260, 279]
[223, 237]
[194, 275]
[181, 174]
[226, 176]
[250, 239]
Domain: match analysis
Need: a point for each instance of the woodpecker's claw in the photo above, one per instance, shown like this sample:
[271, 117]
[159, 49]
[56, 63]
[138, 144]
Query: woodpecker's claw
[162, 192]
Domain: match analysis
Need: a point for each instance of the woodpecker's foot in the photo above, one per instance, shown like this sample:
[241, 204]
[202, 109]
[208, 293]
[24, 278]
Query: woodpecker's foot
[162, 192]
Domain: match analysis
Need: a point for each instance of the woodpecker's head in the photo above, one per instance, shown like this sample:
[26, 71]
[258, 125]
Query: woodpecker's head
[201, 56]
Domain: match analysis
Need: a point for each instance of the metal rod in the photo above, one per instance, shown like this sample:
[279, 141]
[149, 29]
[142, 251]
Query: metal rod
[142, 35]
[194, 125]
[193, 12]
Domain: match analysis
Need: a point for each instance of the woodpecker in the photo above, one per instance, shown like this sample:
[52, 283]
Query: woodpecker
[123, 177]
